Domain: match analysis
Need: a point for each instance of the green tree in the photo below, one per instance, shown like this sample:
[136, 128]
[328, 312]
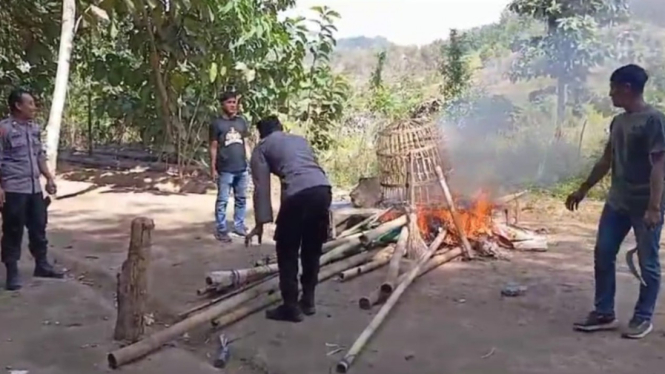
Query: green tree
[194, 50]
[570, 45]
[376, 80]
[454, 68]
[29, 33]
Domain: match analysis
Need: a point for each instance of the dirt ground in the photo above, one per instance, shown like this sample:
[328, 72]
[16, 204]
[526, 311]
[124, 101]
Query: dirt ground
[451, 321]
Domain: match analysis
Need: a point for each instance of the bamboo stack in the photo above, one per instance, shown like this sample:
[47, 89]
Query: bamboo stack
[375, 240]
[239, 293]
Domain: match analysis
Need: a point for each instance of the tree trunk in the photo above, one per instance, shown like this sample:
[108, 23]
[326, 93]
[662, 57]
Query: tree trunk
[172, 126]
[61, 81]
[89, 89]
[561, 99]
[133, 283]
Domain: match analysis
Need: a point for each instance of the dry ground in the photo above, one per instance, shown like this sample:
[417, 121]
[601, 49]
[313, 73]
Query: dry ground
[451, 321]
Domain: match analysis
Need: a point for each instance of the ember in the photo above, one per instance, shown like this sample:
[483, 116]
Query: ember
[476, 220]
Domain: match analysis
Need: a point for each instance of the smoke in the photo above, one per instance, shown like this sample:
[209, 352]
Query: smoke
[497, 146]
[504, 142]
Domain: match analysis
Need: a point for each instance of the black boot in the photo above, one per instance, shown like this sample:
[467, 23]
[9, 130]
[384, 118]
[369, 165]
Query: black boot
[307, 304]
[287, 313]
[45, 270]
[13, 279]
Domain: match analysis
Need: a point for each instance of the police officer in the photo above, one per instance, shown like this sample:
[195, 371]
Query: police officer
[22, 161]
[302, 221]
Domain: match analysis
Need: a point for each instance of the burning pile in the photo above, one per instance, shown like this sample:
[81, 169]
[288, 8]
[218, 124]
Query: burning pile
[411, 240]
[422, 228]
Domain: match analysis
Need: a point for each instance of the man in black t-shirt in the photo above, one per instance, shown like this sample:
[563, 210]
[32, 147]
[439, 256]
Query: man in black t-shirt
[228, 163]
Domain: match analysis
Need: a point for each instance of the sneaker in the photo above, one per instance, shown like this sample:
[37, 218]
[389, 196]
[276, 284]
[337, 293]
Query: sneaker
[597, 322]
[285, 313]
[223, 237]
[240, 231]
[637, 329]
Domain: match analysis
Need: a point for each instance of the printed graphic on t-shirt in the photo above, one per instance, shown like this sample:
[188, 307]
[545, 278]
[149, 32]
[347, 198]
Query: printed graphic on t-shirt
[233, 137]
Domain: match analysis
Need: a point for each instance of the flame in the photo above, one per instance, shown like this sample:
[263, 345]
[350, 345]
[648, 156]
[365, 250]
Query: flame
[475, 217]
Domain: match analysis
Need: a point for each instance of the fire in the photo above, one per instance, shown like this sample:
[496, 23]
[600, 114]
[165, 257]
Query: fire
[475, 217]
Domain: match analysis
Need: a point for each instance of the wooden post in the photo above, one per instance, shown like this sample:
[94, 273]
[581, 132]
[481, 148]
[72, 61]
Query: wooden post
[133, 283]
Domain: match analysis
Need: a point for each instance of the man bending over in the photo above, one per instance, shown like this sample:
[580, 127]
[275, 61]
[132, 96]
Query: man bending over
[302, 221]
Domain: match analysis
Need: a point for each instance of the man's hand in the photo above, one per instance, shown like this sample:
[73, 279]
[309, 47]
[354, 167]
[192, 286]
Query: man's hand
[214, 175]
[256, 231]
[574, 199]
[2, 197]
[51, 188]
[652, 218]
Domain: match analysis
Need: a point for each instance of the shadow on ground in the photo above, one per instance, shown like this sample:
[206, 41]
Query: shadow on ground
[138, 180]
[452, 320]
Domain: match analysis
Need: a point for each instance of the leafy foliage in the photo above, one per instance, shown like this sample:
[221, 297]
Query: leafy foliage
[454, 68]
[570, 45]
[153, 70]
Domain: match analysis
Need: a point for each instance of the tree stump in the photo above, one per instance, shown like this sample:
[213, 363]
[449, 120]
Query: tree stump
[133, 283]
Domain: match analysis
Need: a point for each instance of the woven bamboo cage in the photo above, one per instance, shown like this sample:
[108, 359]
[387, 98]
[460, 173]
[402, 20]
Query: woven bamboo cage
[412, 146]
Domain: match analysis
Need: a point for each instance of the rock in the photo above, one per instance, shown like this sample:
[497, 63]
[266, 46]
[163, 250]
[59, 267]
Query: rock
[513, 290]
[367, 194]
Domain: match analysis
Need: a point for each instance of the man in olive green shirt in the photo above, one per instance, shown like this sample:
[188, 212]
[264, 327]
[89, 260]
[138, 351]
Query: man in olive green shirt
[635, 153]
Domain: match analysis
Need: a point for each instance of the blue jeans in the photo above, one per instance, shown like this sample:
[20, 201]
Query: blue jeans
[612, 230]
[225, 183]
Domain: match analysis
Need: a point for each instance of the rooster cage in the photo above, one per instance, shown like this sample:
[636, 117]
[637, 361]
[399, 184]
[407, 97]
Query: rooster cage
[413, 146]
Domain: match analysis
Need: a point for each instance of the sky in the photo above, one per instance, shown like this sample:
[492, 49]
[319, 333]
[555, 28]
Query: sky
[407, 21]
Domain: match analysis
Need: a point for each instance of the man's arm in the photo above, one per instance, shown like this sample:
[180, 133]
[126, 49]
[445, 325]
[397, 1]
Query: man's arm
[42, 164]
[261, 178]
[213, 137]
[600, 168]
[656, 134]
[246, 137]
[43, 168]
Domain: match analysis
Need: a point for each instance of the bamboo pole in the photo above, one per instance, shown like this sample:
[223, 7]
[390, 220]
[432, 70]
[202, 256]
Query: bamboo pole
[364, 240]
[466, 246]
[369, 220]
[327, 246]
[265, 301]
[415, 246]
[153, 342]
[223, 297]
[385, 290]
[393, 267]
[344, 247]
[371, 235]
[380, 259]
[246, 310]
[378, 297]
[235, 278]
[344, 364]
[349, 211]
[367, 236]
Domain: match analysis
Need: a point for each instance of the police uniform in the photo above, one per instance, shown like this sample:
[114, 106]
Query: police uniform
[21, 152]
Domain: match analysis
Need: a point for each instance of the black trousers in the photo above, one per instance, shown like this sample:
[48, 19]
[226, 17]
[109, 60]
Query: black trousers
[22, 210]
[302, 224]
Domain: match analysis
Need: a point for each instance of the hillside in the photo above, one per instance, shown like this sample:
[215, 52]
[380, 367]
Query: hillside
[505, 130]
[490, 50]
